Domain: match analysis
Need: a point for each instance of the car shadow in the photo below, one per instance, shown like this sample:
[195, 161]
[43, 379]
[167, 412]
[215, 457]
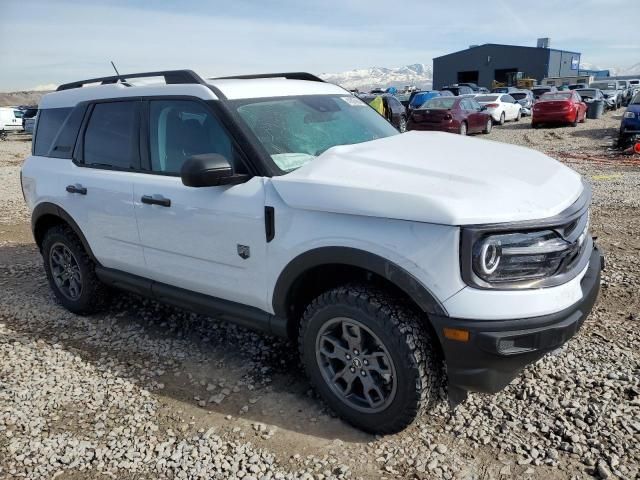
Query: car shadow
[199, 364]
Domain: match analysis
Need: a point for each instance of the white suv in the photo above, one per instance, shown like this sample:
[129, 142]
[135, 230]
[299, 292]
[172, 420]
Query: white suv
[286, 204]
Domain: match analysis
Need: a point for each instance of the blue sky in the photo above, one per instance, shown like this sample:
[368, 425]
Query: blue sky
[52, 42]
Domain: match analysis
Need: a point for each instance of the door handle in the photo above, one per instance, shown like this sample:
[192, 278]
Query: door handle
[77, 188]
[150, 200]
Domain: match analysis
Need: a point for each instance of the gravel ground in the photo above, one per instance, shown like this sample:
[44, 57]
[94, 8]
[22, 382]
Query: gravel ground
[147, 391]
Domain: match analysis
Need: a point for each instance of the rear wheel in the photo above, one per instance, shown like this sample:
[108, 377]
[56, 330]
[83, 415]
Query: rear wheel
[488, 126]
[463, 128]
[518, 115]
[502, 119]
[70, 271]
[368, 357]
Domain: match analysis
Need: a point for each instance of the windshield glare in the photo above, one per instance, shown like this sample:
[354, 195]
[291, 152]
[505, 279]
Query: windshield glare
[295, 130]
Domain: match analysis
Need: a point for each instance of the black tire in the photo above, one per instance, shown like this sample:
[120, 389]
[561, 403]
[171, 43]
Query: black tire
[404, 340]
[463, 130]
[92, 293]
[517, 119]
[488, 126]
[502, 119]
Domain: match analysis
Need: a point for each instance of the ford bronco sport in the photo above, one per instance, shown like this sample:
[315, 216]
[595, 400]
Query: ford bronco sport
[286, 204]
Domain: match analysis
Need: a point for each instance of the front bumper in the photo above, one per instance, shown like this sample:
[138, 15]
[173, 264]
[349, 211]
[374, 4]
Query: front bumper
[497, 350]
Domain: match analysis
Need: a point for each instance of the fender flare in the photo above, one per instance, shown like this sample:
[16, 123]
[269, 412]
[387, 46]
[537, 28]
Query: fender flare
[395, 274]
[48, 208]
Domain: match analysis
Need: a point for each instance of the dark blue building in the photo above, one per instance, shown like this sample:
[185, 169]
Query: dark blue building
[482, 64]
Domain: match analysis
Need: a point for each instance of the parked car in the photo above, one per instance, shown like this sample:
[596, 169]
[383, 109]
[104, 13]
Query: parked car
[559, 107]
[483, 90]
[634, 84]
[501, 107]
[419, 98]
[459, 89]
[471, 85]
[612, 93]
[304, 214]
[403, 98]
[575, 86]
[30, 124]
[525, 98]
[451, 114]
[539, 90]
[28, 112]
[10, 119]
[623, 86]
[630, 125]
[391, 109]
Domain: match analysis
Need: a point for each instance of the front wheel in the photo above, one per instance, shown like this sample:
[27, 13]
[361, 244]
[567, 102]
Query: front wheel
[369, 357]
[518, 115]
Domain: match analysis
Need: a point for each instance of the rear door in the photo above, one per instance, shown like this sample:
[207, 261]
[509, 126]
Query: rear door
[209, 240]
[98, 189]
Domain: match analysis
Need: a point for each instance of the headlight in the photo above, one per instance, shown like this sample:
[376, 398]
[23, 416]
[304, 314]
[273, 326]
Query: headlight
[629, 115]
[525, 255]
[517, 257]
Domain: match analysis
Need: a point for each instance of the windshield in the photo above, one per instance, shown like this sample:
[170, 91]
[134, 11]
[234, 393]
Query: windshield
[587, 93]
[634, 82]
[295, 130]
[18, 113]
[538, 91]
[556, 96]
[519, 95]
[636, 99]
[486, 98]
[603, 85]
[441, 103]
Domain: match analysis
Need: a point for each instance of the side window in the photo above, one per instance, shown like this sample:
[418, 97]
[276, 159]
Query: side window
[475, 105]
[49, 122]
[466, 105]
[111, 137]
[182, 128]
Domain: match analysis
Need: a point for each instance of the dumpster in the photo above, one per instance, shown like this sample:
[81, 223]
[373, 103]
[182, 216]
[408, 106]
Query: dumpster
[595, 108]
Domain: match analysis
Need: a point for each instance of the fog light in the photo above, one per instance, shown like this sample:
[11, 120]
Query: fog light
[456, 334]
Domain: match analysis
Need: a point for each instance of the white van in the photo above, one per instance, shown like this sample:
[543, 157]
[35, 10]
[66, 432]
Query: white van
[10, 118]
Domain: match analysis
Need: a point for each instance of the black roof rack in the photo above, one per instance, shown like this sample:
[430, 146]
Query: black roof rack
[289, 75]
[170, 77]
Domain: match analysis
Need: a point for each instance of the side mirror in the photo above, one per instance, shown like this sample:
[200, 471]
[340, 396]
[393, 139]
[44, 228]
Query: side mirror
[209, 170]
[483, 108]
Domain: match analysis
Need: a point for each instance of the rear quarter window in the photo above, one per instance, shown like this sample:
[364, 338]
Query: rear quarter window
[50, 121]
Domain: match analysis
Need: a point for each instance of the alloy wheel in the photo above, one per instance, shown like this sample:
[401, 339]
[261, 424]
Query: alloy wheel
[65, 271]
[356, 365]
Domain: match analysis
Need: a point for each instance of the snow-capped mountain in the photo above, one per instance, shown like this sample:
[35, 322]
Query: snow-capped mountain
[614, 71]
[417, 74]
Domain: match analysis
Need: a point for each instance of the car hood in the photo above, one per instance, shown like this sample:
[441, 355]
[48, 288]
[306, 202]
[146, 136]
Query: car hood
[433, 177]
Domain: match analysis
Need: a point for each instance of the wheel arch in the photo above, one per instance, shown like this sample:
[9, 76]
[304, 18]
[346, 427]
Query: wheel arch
[46, 215]
[319, 269]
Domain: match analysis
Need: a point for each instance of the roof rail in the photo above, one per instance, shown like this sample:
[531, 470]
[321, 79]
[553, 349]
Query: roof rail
[170, 77]
[289, 75]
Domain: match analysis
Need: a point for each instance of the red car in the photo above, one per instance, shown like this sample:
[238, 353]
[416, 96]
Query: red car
[559, 107]
[451, 114]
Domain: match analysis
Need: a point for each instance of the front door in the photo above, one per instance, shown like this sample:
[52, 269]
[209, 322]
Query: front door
[209, 240]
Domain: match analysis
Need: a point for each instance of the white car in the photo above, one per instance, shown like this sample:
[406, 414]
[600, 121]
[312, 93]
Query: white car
[501, 107]
[288, 205]
[10, 119]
